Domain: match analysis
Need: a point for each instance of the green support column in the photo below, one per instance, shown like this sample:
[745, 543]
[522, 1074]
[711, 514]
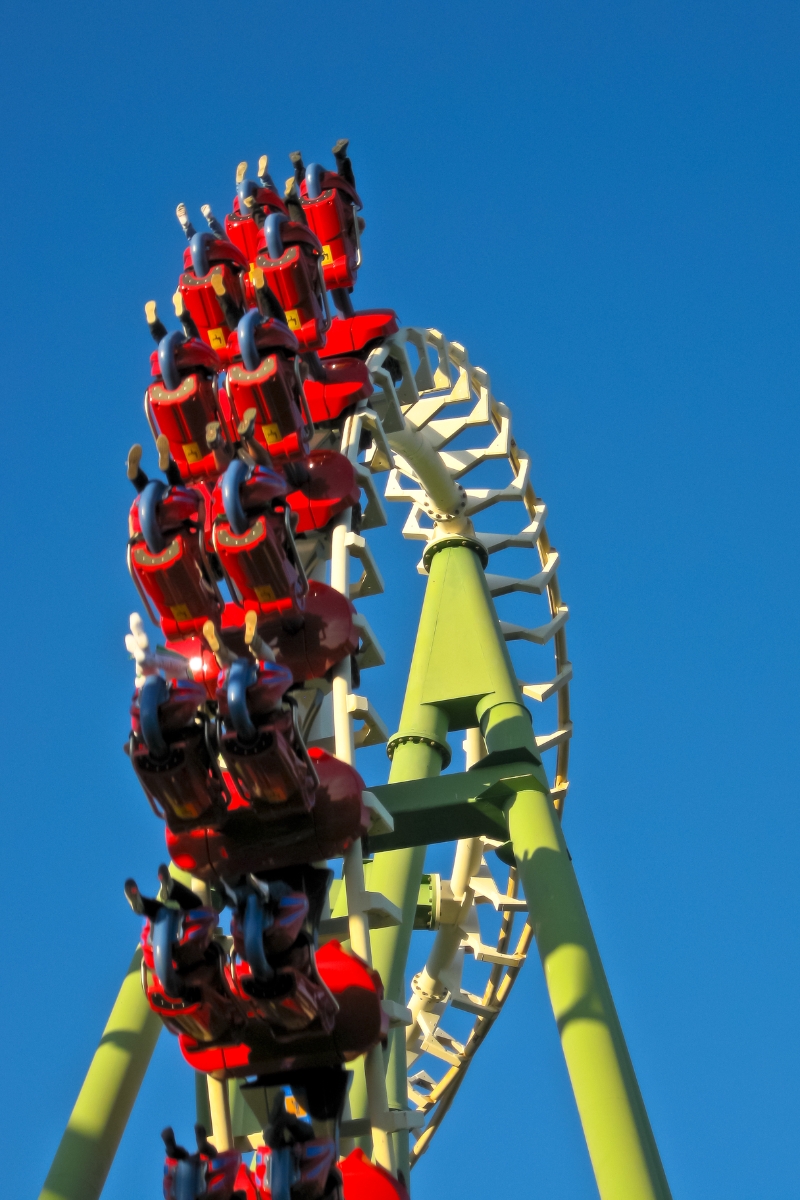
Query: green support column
[621, 1145]
[462, 675]
[396, 874]
[445, 684]
[104, 1104]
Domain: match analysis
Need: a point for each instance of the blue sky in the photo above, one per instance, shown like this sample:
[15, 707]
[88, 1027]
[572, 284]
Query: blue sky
[600, 201]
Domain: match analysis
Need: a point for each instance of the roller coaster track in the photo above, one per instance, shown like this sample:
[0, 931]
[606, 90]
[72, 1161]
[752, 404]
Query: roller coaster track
[443, 396]
[426, 383]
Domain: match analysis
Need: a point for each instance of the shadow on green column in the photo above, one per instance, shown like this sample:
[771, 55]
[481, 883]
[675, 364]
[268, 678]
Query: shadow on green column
[105, 1101]
[619, 1138]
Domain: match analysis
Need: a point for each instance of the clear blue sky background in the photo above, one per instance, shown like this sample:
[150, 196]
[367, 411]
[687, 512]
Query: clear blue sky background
[601, 201]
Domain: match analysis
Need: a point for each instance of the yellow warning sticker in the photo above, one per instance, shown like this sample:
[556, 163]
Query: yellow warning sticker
[192, 452]
[216, 338]
[293, 318]
[265, 594]
[327, 256]
[180, 612]
[271, 434]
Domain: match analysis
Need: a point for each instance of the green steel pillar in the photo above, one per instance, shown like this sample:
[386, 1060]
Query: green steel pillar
[619, 1138]
[397, 874]
[419, 750]
[104, 1103]
[447, 682]
[461, 676]
[444, 686]
[621, 1145]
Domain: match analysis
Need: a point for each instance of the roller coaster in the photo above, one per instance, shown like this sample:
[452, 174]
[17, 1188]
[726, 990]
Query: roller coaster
[274, 946]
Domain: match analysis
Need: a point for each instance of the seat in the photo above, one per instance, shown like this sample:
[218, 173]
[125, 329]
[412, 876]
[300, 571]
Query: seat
[263, 377]
[262, 749]
[169, 751]
[277, 836]
[273, 965]
[331, 488]
[184, 399]
[360, 333]
[253, 203]
[211, 287]
[365, 1180]
[344, 382]
[207, 1175]
[182, 965]
[330, 204]
[253, 541]
[360, 1024]
[167, 559]
[295, 1164]
[290, 256]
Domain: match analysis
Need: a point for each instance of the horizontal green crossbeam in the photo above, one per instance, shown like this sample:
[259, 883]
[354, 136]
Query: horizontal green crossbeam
[465, 804]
